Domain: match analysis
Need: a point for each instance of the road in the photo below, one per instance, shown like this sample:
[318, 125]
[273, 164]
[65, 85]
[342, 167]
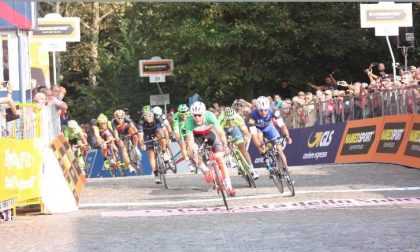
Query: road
[354, 207]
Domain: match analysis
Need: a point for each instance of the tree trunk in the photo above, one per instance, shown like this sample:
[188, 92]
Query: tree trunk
[94, 67]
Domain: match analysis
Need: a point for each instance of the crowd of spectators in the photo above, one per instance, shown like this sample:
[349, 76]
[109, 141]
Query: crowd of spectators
[338, 101]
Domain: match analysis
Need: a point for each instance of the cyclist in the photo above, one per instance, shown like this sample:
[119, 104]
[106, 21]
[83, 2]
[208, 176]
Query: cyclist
[150, 126]
[261, 124]
[235, 126]
[75, 136]
[178, 127]
[103, 132]
[215, 136]
[157, 112]
[123, 125]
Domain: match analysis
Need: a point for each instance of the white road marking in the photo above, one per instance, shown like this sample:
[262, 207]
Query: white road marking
[262, 196]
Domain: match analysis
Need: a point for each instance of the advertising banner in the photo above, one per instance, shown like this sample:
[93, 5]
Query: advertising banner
[395, 132]
[411, 145]
[20, 169]
[358, 140]
[71, 170]
[315, 145]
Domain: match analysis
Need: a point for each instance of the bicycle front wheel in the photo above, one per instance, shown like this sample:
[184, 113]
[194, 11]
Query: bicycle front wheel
[172, 161]
[275, 174]
[220, 184]
[287, 179]
[243, 165]
[134, 159]
[161, 169]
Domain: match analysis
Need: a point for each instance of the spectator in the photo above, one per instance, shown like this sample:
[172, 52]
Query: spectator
[40, 99]
[285, 90]
[11, 112]
[58, 106]
[277, 102]
[329, 84]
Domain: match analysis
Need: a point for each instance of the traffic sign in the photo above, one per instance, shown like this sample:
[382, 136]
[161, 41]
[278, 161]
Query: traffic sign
[156, 67]
[66, 29]
[161, 99]
[386, 14]
[156, 78]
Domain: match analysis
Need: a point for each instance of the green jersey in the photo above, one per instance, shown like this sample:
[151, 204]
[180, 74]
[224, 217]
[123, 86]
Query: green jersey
[178, 125]
[209, 119]
[73, 135]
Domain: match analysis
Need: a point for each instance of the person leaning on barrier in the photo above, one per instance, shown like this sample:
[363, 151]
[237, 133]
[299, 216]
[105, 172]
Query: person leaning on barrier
[11, 112]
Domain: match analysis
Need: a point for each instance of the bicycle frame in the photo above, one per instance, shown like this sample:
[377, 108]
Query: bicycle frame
[161, 168]
[242, 163]
[209, 159]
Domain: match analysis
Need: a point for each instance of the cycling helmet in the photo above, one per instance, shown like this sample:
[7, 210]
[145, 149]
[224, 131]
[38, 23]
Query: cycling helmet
[229, 113]
[146, 108]
[102, 118]
[182, 108]
[157, 111]
[263, 103]
[148, 116]
[198, 108]
[72, 124]
[119, 113]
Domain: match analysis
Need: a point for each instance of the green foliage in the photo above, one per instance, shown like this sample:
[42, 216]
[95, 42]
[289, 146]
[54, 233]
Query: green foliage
[221, 51]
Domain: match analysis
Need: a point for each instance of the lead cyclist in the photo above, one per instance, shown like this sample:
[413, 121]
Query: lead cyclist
[260, 122]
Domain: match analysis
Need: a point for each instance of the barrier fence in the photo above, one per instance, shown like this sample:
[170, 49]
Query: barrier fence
[355, 107]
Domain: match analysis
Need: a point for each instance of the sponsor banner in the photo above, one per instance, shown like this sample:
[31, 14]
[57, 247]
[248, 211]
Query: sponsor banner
[65, 29]
[395, 130]
[68, 163]
[315, 145]
[411, 145]
[358, 139]
[20, 169]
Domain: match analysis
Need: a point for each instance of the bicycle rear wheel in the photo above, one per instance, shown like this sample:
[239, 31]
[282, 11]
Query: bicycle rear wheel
[161, 169]
[220, 185]
[275, 174]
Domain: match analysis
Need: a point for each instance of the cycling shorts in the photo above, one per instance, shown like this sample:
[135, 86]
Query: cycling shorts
[212, 140]
[270, 132]
[235, 132]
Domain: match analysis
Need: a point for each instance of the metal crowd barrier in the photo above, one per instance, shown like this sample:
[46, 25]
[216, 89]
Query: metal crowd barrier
[342, 109]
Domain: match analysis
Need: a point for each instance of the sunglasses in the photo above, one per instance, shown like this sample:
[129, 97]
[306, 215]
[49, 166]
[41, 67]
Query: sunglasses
[120, 118]
[197, 115]
[263, 110]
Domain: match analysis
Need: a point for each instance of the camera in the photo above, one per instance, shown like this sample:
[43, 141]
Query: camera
[342, 83]
[373, 64]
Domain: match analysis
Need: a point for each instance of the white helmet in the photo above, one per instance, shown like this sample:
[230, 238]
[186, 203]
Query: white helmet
[198, 108]
[72, 124]
[263, 103]
[157, 110]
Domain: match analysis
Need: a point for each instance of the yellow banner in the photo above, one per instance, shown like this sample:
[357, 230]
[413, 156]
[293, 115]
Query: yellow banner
[20, 169]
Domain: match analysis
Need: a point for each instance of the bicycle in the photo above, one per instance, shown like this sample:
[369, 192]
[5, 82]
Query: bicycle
[162, 167]
[240, 162]
[134, 156]
[274, 164]
[210, 160]
[113, 161]
[78, 153]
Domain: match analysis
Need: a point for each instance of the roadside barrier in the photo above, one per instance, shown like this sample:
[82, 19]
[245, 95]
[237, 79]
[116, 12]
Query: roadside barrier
[388, 139]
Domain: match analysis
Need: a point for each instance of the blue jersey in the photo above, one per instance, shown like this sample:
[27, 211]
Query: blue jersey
[258, 121]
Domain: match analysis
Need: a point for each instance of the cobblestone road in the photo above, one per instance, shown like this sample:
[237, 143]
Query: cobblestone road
[376, 208]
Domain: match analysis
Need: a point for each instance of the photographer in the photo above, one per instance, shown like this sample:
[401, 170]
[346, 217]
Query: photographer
[11, 112]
